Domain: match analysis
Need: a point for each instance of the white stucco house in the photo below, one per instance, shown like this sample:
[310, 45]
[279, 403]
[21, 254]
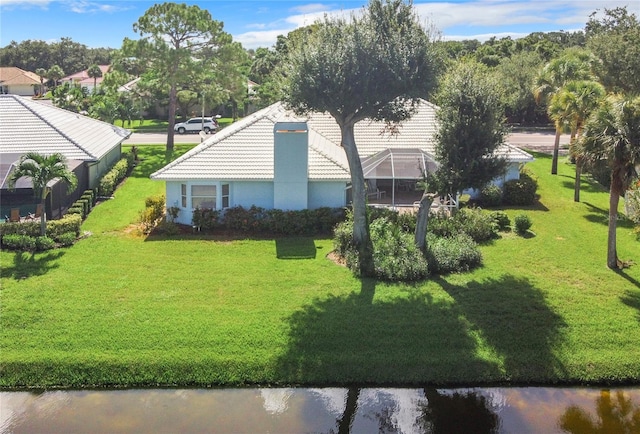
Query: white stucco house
[273, 159]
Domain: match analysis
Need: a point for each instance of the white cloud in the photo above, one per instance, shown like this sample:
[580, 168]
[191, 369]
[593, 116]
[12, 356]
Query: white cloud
[12, 4]
[90, 7]
[311, 8]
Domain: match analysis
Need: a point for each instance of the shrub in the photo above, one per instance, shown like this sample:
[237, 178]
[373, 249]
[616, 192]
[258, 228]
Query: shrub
[206, 219]
[44, 243]
[480, 226]
[113, 177]
[395, 255]
[490, 196]
[69, 223]
[452, 254]
[19, 242]
[520, 191]
[153, 212]
[66, 239]
[502, 220]
[522, 223]
[76, 209]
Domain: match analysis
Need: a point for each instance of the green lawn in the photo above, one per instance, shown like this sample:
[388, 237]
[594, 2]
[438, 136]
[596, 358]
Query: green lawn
[118, 309]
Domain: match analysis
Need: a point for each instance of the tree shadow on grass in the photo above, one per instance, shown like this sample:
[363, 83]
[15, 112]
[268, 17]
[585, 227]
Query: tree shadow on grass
[601, 216]
[26, 265]
[409, 339]
[513, 318]
[632, 299]
[295, 248]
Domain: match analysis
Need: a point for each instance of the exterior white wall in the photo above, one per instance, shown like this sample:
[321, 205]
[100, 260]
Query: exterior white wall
[329, 193]
[247, 193]
[22, 89]
[99, 168]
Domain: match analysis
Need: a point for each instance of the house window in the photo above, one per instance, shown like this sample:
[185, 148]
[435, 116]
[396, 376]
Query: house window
[225, 196]
[183, 193]
[203, 196]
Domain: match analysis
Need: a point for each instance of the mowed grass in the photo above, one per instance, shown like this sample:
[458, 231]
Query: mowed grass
[121, 309]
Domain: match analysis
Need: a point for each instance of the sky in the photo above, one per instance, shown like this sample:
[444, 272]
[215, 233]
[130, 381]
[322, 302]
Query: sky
[105, 23]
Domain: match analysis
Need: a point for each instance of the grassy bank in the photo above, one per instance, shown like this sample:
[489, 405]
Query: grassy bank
[119, 309]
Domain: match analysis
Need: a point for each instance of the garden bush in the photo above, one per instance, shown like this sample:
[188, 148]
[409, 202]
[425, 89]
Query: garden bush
[69, 223]
[520, 191]
[502, 220]
[113, 177]
[44, 243]
[152, 214]
[77, 209]
[395, 255]
[480, 226]
[19, 242]
[522, 223]
[490, 196]
[66, 239]
[452, 254]
[206, 219]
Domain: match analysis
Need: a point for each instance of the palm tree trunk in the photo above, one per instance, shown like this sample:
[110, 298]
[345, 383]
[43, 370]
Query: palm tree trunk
[361, 236]
[556, 148]
[576, 186]
[612, 251]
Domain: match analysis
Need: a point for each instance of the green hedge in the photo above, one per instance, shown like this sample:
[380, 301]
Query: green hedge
[55, 228]
[113, 177]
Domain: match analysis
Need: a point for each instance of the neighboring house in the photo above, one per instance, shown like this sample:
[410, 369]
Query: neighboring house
[91, 147]
[16, 81]
[82, 78]
[272, 159]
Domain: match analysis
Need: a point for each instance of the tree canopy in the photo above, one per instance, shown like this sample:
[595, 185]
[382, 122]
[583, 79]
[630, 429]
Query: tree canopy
[376, 66]
[179, 45]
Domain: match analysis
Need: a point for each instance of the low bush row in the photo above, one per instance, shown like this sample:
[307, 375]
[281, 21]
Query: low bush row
[256, 220]
[84, 204]
[26, 236]
[113, 177]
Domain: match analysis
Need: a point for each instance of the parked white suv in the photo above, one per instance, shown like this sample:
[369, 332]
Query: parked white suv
[195, 125]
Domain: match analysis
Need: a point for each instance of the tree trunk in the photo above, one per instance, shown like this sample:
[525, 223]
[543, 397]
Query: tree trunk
[612, 253]
[556, 147]
[361, 236]
[576, 186]
[422, 220]
[43, 220]
[173, 103]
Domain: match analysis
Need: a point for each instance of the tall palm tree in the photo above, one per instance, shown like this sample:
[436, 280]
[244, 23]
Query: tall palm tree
[579, 99]
[55, 73]
[42, 74]
[43, 169]
[613, 133]
[94, 72]
[572, 65]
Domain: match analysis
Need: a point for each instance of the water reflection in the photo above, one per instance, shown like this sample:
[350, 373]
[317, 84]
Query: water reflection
[325, 410]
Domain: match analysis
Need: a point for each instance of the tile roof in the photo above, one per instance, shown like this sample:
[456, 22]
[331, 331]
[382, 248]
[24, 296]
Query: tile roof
[244, 150]
[11, 75]
[27, 125]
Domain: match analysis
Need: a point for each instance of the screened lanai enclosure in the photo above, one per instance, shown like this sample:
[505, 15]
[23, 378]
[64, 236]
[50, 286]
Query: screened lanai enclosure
[392, 175]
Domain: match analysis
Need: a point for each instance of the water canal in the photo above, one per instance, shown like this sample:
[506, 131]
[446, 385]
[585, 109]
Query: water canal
[323, 410]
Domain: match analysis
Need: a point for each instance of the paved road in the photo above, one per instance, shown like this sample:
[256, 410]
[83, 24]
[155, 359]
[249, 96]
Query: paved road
[536, 141]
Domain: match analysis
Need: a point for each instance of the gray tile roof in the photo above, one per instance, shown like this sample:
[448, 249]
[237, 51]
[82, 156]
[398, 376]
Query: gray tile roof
[27, 125]
[244, 150]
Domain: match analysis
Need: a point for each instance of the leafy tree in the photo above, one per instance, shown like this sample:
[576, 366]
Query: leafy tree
[94, 72]
[516, 73]
[71, 97]
[374, 66]
[572, 65]
[577, 100]
[471, 128]
[613, 133]
[28, 55]
[105, 107]
[43, 169]
[177, 43]
[615, 40]
[55, 73]
[70, 55]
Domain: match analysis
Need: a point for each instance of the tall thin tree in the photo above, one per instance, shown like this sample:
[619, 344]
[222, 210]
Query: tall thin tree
[613, 133]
